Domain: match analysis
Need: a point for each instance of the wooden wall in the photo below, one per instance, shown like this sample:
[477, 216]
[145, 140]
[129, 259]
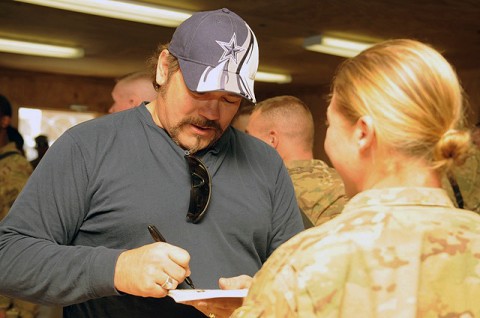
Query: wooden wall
[56, 91]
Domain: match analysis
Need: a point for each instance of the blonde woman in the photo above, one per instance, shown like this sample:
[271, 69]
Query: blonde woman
[400, 248]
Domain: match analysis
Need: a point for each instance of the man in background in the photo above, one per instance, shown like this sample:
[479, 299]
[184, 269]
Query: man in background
[14, 167]
[14, 173]
[131, 90]
[41, 145]
[241, 118]
[286, 124]
[15, 136]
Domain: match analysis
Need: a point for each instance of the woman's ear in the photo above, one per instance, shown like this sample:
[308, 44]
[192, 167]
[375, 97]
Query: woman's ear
[162, 68]
[365, 132]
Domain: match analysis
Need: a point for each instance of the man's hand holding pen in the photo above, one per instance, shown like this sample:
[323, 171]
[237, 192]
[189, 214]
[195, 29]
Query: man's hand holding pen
[158, 237]
[154, 269]
[142, 271]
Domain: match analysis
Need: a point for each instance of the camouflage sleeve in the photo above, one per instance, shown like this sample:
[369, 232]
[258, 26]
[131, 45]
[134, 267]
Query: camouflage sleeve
[277, 290]
[25, 308]
[14, 173]
[5, 303]
[331, 211]
[319, 190]
[324, 202]
[268, 295]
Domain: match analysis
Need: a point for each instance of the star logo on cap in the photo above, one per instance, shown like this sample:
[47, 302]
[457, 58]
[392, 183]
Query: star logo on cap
[230, 49]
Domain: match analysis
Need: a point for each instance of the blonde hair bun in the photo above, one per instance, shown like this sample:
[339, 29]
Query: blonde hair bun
[452, 149]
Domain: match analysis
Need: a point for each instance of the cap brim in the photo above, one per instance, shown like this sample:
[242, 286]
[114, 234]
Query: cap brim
[203, 78]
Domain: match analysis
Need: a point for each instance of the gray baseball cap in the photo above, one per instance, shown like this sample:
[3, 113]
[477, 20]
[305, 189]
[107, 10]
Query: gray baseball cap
[217, 51]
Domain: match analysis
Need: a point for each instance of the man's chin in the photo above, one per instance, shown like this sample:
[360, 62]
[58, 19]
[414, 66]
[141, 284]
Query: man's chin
[194, 144]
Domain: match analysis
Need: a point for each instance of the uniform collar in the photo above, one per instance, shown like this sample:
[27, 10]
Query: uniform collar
[403, 196]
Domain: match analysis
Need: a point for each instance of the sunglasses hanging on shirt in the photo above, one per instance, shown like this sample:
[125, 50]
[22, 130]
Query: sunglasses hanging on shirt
[200, 189]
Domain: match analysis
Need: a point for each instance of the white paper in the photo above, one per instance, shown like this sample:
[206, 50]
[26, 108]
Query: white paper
[180, 295]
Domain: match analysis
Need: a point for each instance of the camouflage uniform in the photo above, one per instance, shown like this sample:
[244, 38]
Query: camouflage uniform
[468, 179]
[399, 252]
[319, 189]
[14, 173]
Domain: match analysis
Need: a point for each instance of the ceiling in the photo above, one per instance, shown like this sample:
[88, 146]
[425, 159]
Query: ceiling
[114, 47]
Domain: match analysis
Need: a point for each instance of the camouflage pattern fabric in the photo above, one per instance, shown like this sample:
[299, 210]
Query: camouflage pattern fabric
[319, 189]
[468, 180]
[395, 253]
[14, 173]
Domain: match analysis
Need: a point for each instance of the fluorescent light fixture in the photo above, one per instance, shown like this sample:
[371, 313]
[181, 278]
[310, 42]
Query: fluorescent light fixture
[273, 78]
[335, 46]
[32, 48]
[124, 10]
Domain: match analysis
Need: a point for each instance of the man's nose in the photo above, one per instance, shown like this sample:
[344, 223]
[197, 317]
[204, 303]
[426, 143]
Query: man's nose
[210, 109]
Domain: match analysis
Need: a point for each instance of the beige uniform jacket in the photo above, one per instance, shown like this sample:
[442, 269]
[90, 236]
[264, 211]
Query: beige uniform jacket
[399, 252]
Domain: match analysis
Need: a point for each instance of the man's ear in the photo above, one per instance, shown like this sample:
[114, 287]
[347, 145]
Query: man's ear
[5, 121]
[162, 68]
[133, 101]
[365, 132]
[273, 139]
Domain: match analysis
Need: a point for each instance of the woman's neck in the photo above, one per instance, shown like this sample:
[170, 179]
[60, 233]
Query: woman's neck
[402, 172]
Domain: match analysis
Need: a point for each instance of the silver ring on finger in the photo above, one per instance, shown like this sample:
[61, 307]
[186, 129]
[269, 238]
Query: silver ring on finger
[168, 284]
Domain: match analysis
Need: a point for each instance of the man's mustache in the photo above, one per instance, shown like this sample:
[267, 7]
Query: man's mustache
[201, 122]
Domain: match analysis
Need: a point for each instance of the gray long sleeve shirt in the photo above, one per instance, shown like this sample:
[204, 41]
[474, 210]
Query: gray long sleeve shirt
[104, 181]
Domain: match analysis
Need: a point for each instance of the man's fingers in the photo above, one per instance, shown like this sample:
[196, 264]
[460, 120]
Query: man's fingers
[168, 282]
[179, 256]
[237, 282]
[151, 270]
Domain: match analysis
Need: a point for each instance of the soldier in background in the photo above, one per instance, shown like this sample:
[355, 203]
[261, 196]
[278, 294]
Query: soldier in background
[41, 145]
[14, 173]
[240, 120]
[131, 90]
[286, 124]
[14, 167]
[15, 136]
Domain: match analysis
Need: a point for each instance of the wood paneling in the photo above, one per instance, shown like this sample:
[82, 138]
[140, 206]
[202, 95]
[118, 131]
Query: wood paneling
[48, 90]
[55, 91]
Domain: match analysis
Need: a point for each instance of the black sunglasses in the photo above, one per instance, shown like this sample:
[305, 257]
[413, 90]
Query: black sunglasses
[200, 190]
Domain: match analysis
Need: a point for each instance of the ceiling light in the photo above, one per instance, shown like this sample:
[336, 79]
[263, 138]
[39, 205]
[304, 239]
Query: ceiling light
[31, 48]
[273, 78]
[125, 10]
[335, 46]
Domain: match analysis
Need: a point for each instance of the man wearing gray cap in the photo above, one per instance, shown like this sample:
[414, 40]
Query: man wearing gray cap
[78, 235]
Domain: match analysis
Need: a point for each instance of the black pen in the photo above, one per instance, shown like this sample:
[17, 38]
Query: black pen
[158, 237]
